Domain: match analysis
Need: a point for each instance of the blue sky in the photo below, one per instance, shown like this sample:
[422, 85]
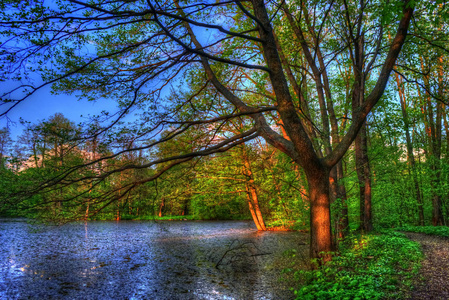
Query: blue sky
[43, 105]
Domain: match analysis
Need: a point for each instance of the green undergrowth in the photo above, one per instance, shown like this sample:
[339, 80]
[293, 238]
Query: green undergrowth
[374, 266]
[124, 217]
[167, 218]
[287, 225]
[181, 218]
[432, 230]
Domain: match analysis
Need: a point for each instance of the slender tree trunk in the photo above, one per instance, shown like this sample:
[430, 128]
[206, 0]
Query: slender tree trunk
[161, 207]
[252, 210]
[251, 192]
[92, 158]
[438, 133]
[333, 196]
[343, 220]
[434, 134]
[361, 141]
[185, 210]
[117, 213]
[86, 215]
[43, 151]
[446, 126]
[437, 212]
[364, 177]
[410, 154]
[437, 215]
[36, 160]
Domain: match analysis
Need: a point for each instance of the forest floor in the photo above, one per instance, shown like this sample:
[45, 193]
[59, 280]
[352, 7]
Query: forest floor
[434, 281]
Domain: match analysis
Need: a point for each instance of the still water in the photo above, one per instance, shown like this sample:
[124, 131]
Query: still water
[144, 260]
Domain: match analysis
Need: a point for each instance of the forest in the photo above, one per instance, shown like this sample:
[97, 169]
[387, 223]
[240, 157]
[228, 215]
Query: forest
[328, 117]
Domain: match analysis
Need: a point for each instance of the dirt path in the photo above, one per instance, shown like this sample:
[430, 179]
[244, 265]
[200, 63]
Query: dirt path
[435, 267]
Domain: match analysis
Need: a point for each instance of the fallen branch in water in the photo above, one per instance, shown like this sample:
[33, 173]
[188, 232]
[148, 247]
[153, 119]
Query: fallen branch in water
[239, 251]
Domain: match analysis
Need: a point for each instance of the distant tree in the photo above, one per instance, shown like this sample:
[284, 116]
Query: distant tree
[5, 145]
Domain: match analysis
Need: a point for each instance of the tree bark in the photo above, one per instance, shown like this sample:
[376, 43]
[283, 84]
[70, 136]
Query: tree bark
[320, 218]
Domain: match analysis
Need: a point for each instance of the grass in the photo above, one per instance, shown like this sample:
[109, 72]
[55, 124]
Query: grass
[175, 218]
[432, 230]
[374, 266]
[164, 218]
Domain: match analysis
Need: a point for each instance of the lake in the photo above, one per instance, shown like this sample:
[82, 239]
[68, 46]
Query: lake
[145, 260]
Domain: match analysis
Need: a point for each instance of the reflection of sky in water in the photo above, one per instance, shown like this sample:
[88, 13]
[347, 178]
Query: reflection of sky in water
[138, 260]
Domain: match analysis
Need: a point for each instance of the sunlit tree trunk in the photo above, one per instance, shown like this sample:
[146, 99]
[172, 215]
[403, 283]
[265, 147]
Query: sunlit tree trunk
[251, 192]
[161, 207]
[86, 214]
[320, 227]
[117, 212]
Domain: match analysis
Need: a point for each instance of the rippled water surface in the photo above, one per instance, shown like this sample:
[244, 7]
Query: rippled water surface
[144, 260]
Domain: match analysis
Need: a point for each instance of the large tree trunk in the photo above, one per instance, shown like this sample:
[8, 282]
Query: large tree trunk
[320, 219]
